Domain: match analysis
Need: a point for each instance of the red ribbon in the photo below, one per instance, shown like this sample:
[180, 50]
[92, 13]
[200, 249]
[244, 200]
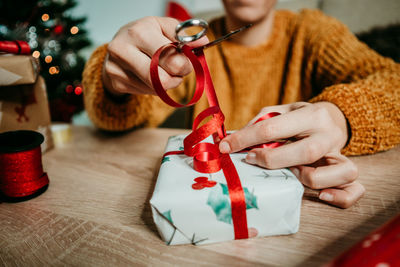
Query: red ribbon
[269, 144]
[15, 47]
[206, 156]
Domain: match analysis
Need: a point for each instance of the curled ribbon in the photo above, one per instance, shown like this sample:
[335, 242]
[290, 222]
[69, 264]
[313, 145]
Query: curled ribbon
[206, 156]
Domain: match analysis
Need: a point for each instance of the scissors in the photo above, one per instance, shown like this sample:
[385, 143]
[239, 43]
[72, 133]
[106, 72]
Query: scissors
[183, 39]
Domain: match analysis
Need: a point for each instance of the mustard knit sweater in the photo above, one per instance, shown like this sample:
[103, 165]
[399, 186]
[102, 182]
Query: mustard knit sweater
[308, 57]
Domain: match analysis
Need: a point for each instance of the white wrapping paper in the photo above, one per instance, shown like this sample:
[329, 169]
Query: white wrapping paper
[184, 215]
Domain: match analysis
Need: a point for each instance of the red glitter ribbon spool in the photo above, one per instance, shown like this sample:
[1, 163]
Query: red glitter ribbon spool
[21, 170]
[379, 248]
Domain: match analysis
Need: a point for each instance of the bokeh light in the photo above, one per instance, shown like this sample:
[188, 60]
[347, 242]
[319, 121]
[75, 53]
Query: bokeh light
[74, 30]
[48, 59]
[78, 90]
[54, 70]
[36, 54]
[45, 17]
[69, 89]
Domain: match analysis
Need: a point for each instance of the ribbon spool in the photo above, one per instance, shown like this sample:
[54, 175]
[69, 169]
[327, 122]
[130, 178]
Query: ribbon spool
[21, 170]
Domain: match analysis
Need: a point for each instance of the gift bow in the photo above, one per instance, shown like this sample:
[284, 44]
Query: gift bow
[206, 156]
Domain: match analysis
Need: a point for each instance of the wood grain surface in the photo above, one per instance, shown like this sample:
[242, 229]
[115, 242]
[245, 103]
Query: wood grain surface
[96, 212]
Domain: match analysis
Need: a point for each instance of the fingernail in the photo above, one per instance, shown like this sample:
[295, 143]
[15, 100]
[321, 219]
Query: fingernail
[326, 197]
[251, 158]
[295, 171]
[224, 147]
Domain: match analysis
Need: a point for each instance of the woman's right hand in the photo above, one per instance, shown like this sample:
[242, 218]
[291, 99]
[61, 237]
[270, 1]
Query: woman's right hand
[126, 67]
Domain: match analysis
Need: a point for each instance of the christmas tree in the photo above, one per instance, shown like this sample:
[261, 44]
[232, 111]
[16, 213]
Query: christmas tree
[55, 37]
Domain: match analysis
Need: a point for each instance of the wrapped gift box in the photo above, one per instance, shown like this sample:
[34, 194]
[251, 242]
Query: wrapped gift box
[193, 207]
[18, 69]
[25, 107]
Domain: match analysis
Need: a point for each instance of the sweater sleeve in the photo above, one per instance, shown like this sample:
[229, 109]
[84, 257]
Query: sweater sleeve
[120, 114]
[362, 84]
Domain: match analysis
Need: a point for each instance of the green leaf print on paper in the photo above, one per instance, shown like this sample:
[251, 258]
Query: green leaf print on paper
[165, 159]
[219, 201]
[167, 215]
[251, 199]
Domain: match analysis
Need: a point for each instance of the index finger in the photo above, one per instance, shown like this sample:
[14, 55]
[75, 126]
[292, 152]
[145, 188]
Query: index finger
[279, 127]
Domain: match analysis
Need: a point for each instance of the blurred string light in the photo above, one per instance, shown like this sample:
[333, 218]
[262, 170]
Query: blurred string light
[48, 59]
[36, 54]
[3, 29]
[54, 70]
[71, 59]
[74, 30]
[45, 17]
[78, 90]
[58, 29]
[69, 89]
[31, 37]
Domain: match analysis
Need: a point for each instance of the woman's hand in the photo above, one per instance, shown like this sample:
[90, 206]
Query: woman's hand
[127, 64]
[318, 132]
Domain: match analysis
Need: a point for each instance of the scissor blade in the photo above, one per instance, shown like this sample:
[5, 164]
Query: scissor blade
[223, 38]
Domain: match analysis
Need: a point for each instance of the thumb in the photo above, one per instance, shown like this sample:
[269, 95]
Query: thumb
[168, 25]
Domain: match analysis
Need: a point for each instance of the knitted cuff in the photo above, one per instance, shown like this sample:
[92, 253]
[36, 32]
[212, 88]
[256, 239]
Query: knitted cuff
[364, 111]
[103, 110]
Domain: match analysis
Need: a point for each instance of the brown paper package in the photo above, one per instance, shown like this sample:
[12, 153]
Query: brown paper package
[25, 107]
[18, 69]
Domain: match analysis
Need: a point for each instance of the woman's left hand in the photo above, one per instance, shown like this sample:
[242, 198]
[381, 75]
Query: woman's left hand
[318, 132]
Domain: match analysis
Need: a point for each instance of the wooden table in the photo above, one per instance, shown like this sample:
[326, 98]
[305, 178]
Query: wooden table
[96, 211]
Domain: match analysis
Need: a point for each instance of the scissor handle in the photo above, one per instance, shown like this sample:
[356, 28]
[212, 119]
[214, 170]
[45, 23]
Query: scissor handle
[191, 23]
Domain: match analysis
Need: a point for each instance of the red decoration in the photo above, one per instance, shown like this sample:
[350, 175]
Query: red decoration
[15, 47]
[177, 11]
[203, 182]
[78, 90]
[58, 29]
[21, 163]
[69, 89]
[379, 248]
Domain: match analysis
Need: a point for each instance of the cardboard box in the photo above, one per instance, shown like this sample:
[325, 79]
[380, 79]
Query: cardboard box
[187, 214]
[25, 107]
[18, 69]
